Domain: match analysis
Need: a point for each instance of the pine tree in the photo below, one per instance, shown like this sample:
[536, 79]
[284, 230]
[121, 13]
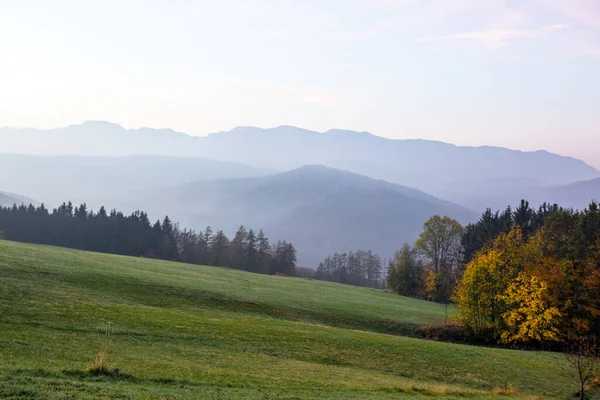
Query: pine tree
[523, 218]
[205, 240]
[167, 244]
[263, 253]
[237, 248]
[156, 239]
[251, 260]
[219, 250]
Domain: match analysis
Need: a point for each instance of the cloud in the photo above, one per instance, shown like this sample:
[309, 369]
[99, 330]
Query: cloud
[498, 38]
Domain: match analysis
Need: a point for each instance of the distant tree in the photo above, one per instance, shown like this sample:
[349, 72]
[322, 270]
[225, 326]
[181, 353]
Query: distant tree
[251, 254]
[189, 247]
[167, 244]
[219, 250]
[263, 253]
[482, 233]
[405, 273]
[237, 248]
[322, 271]
[284, 260]
[157, 238]
[524, 217]
[206, 244]
[360, 268]
[439, 243]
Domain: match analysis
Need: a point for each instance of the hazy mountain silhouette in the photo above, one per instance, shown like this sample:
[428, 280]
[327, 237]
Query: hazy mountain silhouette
[107, 180]
[97, 138]
[319, 209]
[459, 174]
[7, 199]
[444, 170]
[576, 195]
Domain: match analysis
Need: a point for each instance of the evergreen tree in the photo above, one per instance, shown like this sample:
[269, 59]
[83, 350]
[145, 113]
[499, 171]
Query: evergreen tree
[523, 218]
[167, 245]
[219, 250]
[205, 245]
[406, 273]
[284, 260]
[237, 248]
[251, 256]
[263, 253]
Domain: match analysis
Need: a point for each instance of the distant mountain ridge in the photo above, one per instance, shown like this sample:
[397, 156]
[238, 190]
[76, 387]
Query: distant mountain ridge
[8, 199]
[465, 175]
[105, 180]
[577, 195]
[319, 209]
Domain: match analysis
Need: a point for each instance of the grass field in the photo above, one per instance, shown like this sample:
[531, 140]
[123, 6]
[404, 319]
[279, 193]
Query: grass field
[185, 331]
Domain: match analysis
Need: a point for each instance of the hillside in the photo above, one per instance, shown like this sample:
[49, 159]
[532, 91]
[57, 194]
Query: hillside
[185, 331]
[8, 199]
[447, 171]
[321, 210]
[107, 180]
[577, 195]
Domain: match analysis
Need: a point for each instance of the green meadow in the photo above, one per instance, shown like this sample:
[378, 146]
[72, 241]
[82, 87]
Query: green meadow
[196, 332]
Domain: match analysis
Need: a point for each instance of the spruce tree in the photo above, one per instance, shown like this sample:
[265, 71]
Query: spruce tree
[263, 253]
[237, 248]
[251, 260]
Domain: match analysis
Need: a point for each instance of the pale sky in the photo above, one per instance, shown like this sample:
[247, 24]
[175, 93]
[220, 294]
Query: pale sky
[523, 74]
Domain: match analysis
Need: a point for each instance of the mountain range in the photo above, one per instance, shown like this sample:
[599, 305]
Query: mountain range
[473, 176]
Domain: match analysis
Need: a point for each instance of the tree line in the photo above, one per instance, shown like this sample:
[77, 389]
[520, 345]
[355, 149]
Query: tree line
[525, 277]
[535, 281]
[434, 265]
[116, 233]
[360, 268]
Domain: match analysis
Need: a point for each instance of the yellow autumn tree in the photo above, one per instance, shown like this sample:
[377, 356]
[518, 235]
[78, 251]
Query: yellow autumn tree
[487, 277]
[530, 316]
[476, 292]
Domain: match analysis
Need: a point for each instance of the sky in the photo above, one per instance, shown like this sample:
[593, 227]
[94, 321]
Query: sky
[523, 74]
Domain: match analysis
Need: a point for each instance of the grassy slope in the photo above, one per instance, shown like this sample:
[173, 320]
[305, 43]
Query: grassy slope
[184, 331]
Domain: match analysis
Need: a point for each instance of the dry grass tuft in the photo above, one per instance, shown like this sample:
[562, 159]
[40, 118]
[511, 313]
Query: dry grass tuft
[507, 390]
[100, 365]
